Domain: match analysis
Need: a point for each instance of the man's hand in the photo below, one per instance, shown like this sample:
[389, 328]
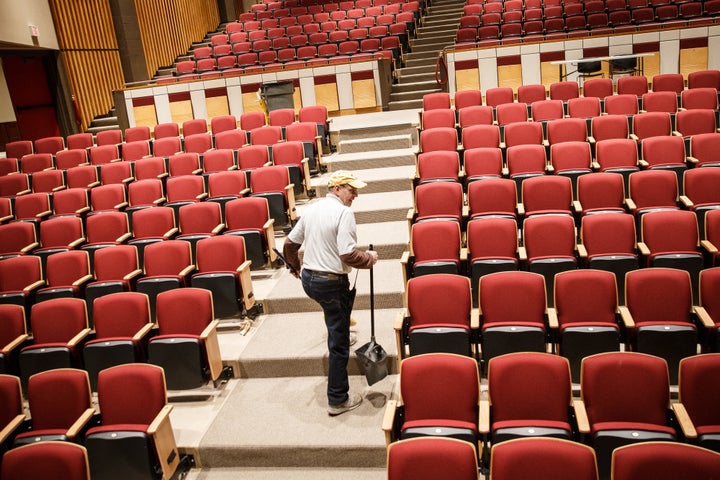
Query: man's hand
[374, 256]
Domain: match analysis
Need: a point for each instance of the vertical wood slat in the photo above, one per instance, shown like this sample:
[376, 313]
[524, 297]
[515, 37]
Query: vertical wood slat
[86, 36]
[168, 27]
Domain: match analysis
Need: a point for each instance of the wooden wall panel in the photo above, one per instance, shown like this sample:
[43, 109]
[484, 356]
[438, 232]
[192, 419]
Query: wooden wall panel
[168, 27]
[89, 49]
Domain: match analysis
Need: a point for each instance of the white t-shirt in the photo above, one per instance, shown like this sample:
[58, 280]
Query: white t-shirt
[327, 229]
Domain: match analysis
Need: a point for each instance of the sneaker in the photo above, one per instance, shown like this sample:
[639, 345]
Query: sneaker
[353, 338]
[351, 403]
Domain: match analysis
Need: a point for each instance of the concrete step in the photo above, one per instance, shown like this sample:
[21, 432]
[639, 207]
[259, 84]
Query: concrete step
[107, 121]
[442, 16]
[293, 430]
[406, 72]
[369, 160]
[432, 47]
[380, 181]
[405, 104]
[374, 125]
[388, 238]
[304, 348]
[289, 473]
[427, 61]
[390, 142]
[430, 40]
[422, 31]
[417, 81]
[423, 89]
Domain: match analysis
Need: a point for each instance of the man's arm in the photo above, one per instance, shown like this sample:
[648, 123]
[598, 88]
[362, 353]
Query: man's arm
[290, 252]
[360, 259]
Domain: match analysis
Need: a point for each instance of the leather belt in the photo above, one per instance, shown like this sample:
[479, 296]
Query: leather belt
[326, 275]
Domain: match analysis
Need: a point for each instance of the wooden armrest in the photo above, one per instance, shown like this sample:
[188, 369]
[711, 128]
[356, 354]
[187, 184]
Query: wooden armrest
[591, 139]
[244, 192]
[521, 209]
[522, 254]
[577, 206]
[82, 210]
[581, 416]
[158, 201]
[399, 320]
[187, 270]
[162, 416]
[123, 238]
[24, 192]
[267, 164]
[552, 319]
[475, 318]
[163, 175]
[202, 196]
[484, 417]
[77, 242]
[505, 171]
[405, 258]
[80, 423]
[33, 286]
[57, 189]
[140, 334]
[244, 266]
[120, 206]
[630, 204]
[595, 165]
[410, 214]
[170, 233]
[549, 168]
[684, 420]
[626, 317]
[79, 337]
[11, 427]
[644, 250]
[43, 214]
[388, 420]
[675, 133]
[13, 344]
[128, 180]
[634, 137]
[582, 251]
[687, 203]
[691, 159]
[6, 218]
[704, 317]
[708, 246]
[197, 171]
[209, 329]
[81, 280]
[463, 254]
[218, 228]
[269, 224]
[93, 184]
[643, 163]
[29, 247]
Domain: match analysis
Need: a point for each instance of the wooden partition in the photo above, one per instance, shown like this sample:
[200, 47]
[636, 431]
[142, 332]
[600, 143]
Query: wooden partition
[168, 27]
[89, 49]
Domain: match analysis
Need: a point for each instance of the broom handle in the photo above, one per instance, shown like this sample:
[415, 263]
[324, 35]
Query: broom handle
[372, 302]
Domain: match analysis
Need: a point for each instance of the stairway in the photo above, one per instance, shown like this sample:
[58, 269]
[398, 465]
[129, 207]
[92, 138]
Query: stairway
[436, 31]
[270, 421]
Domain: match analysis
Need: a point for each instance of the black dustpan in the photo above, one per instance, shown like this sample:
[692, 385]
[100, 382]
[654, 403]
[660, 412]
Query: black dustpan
[371, 357]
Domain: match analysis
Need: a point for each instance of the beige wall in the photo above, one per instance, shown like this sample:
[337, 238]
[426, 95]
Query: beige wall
[18, 14]
[7, 114]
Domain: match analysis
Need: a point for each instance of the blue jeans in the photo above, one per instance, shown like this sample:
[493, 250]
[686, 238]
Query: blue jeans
[333, 295]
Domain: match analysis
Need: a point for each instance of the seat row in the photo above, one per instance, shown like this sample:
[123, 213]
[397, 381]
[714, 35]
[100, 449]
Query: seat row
[625, 399]
[484, 26]
[247, 121]
[648, 130]
[565, 90]
[267, 60]
[123, 332]
[334, 10]
[68, 439]
[543, 459]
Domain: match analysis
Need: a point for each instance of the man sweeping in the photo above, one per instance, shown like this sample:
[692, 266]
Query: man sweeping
[328, 231]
